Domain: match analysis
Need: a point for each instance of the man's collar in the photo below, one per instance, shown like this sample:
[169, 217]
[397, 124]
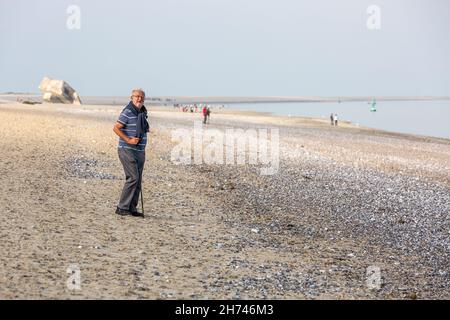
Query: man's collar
[135, 109]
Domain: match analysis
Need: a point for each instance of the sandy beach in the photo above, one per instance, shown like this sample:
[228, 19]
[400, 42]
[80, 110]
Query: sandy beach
[345, 201]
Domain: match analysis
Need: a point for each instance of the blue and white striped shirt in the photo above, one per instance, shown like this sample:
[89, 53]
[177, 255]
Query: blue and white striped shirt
[129, 120]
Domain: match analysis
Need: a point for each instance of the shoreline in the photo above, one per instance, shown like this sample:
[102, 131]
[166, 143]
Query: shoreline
[161, 104]
[278, 119]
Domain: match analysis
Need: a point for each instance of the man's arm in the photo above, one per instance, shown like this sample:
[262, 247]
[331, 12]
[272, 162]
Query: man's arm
[122, 135]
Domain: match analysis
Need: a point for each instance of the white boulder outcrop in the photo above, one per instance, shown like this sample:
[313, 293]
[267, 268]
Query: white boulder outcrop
[58, 91]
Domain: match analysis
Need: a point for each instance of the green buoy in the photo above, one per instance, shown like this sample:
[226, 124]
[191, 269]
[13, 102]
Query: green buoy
[373, 107]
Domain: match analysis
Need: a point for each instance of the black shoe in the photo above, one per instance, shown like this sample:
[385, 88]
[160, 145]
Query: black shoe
[122, 212]
[137, 214]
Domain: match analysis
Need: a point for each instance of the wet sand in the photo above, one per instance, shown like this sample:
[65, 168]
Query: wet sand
[344, 200]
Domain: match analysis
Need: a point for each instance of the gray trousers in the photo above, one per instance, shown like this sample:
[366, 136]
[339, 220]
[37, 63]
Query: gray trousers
[133, 165]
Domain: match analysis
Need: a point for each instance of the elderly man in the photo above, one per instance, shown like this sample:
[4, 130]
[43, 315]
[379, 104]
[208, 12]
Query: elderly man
[132, 128]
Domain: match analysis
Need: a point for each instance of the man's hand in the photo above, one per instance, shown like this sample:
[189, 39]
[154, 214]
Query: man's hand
[121, 134]
[133, 141]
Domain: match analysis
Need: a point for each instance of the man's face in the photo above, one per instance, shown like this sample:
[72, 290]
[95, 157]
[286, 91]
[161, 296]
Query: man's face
[138, 99]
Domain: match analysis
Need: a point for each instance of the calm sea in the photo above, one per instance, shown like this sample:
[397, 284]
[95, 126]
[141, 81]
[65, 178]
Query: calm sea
[428, 118]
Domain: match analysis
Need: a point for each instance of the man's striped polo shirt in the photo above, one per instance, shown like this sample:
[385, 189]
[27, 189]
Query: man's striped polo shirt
[129, 120]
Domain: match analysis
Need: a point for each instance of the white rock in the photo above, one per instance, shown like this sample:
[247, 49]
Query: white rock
[58, 91]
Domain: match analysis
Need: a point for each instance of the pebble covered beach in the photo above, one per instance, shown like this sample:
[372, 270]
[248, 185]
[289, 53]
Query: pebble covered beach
[345, 202]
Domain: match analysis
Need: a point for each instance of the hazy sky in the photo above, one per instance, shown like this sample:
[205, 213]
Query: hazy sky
[228, 47]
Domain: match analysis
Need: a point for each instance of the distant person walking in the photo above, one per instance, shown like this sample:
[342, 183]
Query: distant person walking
[205, 114]
[208, 114]
[332, 119]
[335, 119]
[132, 128]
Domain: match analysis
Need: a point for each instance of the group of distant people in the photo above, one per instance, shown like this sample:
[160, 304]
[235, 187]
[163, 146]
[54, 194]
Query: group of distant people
[334, 119]
[187, 107]
[194, 108]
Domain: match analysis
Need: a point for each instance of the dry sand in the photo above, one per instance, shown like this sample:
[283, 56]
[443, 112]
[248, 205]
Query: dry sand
[214, 232]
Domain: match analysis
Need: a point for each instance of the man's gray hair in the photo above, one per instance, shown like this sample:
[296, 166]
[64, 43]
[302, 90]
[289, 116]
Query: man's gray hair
[138, 90]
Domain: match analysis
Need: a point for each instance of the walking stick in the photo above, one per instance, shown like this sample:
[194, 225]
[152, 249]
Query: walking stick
[142, 201]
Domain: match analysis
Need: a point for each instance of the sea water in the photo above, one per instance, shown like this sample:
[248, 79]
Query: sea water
[427, 118]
